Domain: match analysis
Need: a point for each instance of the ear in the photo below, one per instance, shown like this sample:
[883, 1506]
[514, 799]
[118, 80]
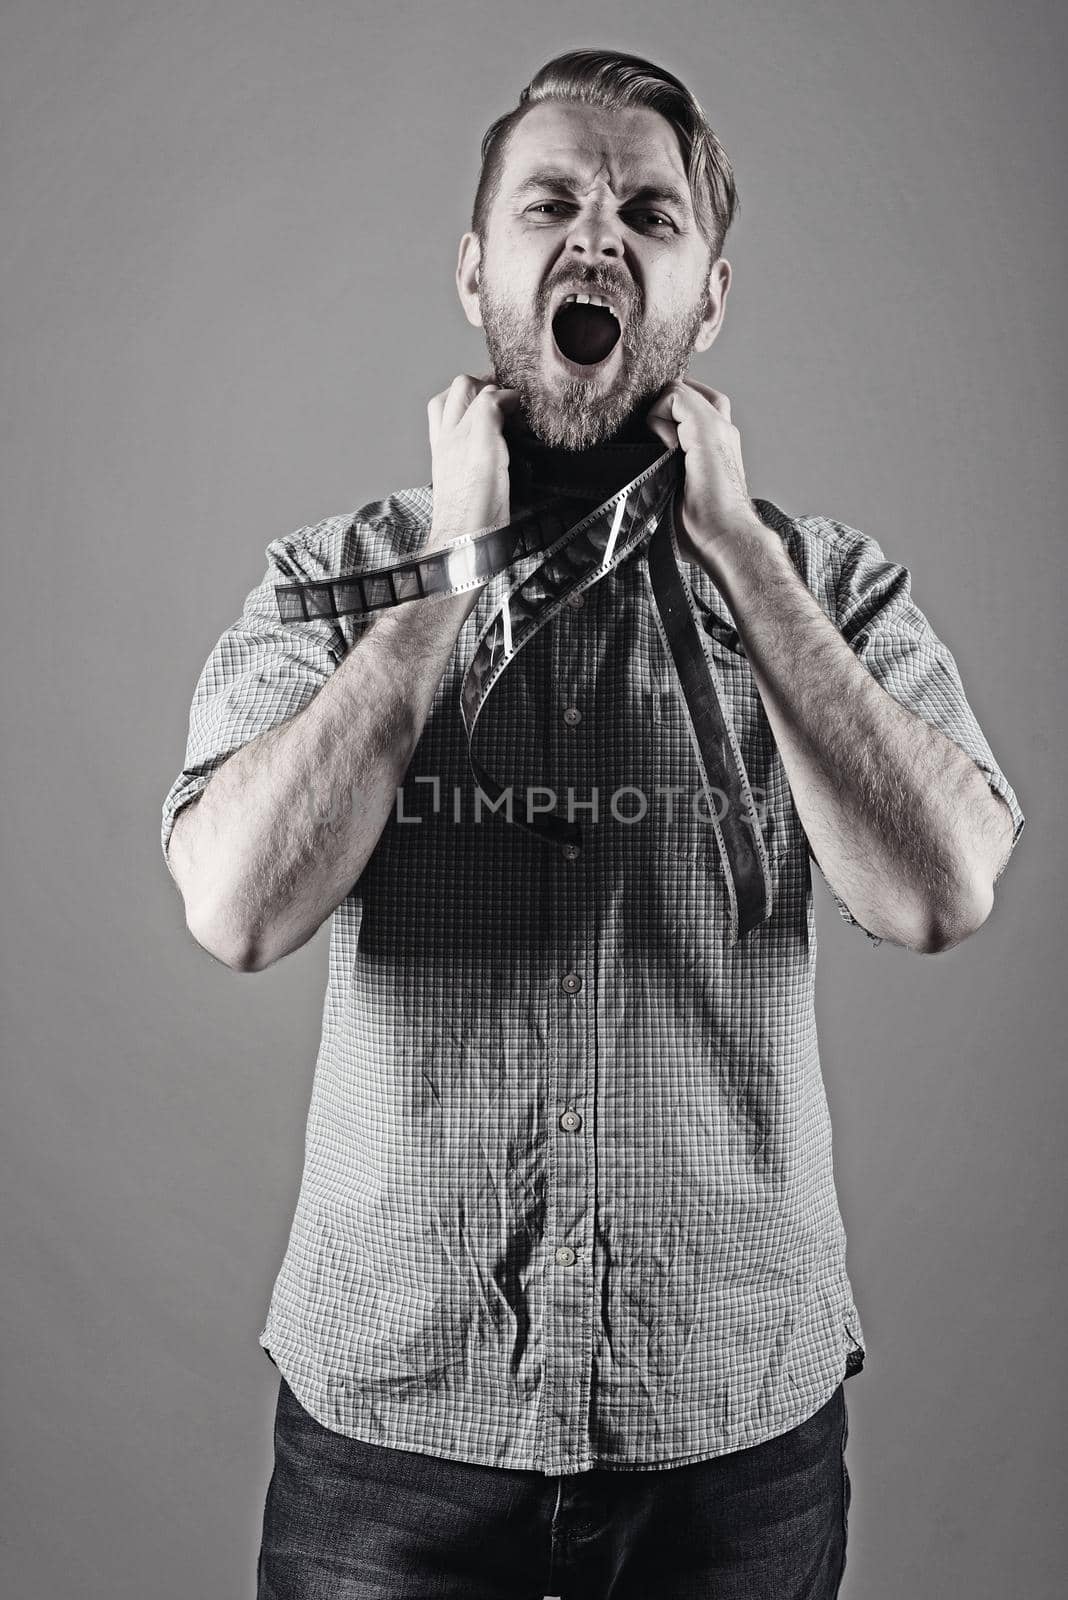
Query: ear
[719, 282]
[467, 271]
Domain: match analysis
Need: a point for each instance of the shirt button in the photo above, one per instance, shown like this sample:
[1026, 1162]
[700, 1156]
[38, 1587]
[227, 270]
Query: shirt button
[576, 600]
[565, 1256]
[572, 716]
[570, 852]
[570, 1121]
[571, 982]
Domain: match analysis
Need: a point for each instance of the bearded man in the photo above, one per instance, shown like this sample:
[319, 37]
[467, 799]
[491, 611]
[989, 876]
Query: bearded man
[565, 1304]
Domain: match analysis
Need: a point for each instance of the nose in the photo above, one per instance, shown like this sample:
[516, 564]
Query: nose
[594, 234]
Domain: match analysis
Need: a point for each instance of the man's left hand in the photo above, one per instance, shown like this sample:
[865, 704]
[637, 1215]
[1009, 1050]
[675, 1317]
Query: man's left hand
[715, 509]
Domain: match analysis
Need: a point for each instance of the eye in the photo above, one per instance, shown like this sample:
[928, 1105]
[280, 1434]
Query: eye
[655, 220]
[654, 216]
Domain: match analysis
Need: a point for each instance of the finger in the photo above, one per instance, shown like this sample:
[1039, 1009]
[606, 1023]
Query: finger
[461, 392]
[434, 409]
[487, 380]
[661, 405]
[660, 420]
[470, 390]
[491, 406]
[487, 420]
[665, 431]
[668, 406]
[715, 397]
[494, 395]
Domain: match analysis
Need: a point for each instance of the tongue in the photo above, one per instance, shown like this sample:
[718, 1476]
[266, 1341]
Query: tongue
[585, 333]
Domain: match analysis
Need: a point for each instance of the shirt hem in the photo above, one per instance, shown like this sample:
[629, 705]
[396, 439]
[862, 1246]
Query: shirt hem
[283, 1356]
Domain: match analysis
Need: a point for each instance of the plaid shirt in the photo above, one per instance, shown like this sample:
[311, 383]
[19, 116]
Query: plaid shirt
[568, 1198]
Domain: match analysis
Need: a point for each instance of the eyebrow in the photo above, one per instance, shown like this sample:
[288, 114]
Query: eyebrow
[563, 183]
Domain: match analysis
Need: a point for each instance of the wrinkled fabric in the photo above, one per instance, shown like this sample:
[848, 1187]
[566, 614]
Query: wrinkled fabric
[568, 1197]
[345, 1518]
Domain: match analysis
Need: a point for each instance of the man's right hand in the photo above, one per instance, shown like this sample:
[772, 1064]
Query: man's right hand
[470, 457]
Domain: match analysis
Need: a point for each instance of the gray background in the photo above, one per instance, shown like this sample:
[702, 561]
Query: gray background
[228, 246]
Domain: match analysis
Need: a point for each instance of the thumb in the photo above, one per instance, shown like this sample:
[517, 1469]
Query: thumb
[664, 428]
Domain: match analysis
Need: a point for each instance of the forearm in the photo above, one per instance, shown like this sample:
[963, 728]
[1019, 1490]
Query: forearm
[287, 824]
[893, 810]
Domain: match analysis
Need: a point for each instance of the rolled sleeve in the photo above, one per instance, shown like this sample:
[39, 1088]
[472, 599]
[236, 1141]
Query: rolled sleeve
[261, 673]
[880, 621]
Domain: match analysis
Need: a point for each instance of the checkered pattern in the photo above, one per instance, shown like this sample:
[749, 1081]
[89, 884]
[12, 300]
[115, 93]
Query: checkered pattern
[568, 1198]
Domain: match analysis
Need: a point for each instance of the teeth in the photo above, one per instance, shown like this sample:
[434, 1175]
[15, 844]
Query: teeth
[591, 300]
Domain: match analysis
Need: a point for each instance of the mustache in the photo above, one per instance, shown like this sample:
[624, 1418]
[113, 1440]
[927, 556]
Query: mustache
[622, 291]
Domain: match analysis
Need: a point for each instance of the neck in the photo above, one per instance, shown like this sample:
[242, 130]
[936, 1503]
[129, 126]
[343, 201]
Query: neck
[539, 470]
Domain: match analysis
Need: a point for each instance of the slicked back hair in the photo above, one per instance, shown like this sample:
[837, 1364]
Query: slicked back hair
[607, 78]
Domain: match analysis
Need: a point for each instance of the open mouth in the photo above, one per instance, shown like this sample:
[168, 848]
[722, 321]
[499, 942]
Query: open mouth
[585, 329]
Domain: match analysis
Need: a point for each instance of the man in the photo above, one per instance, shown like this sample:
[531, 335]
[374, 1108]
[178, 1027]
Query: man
[565, 1300]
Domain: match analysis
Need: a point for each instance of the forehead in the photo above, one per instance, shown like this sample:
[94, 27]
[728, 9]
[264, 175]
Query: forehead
[595, 144]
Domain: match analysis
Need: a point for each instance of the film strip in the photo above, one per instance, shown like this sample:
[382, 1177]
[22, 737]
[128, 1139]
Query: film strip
[467, 563]
[576, 555]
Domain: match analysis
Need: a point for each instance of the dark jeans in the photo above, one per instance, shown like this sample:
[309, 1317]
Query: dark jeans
[345, 1520]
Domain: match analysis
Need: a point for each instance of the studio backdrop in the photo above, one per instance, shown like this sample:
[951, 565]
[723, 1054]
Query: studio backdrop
[229, 251]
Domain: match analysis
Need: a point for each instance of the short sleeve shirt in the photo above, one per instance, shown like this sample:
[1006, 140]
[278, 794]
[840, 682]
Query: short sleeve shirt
[568, 1197]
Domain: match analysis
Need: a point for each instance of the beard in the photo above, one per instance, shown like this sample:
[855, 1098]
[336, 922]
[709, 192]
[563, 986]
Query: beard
[577, 413]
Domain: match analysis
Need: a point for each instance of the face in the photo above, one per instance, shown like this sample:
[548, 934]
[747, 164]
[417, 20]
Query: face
[593, 202]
